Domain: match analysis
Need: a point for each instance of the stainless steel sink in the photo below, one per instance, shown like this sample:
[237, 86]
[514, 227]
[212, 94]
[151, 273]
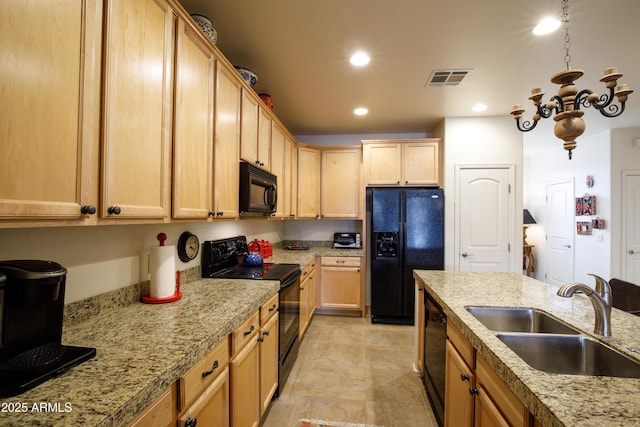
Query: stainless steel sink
[516, 319]
[568, 354]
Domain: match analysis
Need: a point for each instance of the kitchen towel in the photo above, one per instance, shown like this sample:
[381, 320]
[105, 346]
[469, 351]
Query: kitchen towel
[162, 271]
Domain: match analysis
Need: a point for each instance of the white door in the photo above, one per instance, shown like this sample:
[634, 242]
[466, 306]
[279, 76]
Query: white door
[559, 225]
[631, 229]
[484, 219]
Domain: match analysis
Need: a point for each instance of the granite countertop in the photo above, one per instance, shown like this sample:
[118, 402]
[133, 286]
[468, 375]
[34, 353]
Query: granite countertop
[143, 348]
[554, 399]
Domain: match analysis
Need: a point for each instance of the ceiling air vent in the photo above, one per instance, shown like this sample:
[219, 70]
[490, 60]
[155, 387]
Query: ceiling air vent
[447, 77]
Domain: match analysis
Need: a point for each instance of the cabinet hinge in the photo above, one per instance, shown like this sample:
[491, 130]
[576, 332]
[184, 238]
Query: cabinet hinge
[508, 247]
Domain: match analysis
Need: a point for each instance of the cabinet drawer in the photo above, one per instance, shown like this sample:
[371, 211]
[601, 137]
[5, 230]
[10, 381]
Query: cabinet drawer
[341, 261]
[461, 344]
[268, 309]
[243, 333]
[198, 378]
[162, 412]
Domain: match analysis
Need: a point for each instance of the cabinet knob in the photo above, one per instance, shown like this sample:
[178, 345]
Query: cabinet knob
[191, 422]
[301, 288]
[473, 390]
[251, 329]
[220, 213]
[265, 332]
[87, 209]
[260, 339]
[212, 213]
[114, 210]
[464, 377]
[213, 368]
[273, 307]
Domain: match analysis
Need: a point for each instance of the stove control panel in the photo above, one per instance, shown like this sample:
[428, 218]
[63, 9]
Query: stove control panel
[220, 254]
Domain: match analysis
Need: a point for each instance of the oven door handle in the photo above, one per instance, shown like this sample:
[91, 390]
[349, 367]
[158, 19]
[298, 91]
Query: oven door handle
[291, 279]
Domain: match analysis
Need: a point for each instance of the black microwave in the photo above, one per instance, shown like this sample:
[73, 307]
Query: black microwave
[258, 190]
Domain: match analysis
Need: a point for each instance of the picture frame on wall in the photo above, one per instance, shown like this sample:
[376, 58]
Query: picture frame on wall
[583, 228]
[589, 205]
[578, 206]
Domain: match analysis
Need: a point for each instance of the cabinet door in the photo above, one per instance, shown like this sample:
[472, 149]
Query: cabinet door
[458, 401]
[264, 138]
[161, 413]
[308, 182]
[137, 112]
[304, 306]
[193, 126]
[340, 184]
[226, 143]
[245, 385]
[382, 163]
[249, 129]
[212, 407]
[50, 109]
[290, 178]
[277, 168]
[339, 288]
[268, 362]
[421, 163]
[312, 286]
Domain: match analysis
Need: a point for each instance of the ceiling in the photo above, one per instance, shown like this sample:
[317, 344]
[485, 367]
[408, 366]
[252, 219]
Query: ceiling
[300, 51]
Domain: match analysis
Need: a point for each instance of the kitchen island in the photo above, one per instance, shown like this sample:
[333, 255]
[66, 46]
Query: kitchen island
[553, 399]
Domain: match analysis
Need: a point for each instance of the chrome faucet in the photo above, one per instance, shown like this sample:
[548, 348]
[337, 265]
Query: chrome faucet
[600, 299]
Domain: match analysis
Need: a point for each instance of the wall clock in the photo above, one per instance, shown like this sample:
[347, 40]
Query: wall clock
[188, 246]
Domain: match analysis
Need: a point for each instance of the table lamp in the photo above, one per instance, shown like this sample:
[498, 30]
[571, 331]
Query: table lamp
[526, 221]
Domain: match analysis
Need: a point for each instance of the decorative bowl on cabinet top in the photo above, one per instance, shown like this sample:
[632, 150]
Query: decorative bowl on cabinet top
[248, 75]
[266, 98]
[206, 26]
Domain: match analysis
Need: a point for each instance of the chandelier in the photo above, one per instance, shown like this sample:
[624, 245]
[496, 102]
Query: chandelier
[566, 104]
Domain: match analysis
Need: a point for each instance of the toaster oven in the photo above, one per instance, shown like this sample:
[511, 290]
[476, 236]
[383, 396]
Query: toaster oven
[347, 241]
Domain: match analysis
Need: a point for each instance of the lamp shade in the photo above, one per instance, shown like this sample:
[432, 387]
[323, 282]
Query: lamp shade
[528, 218]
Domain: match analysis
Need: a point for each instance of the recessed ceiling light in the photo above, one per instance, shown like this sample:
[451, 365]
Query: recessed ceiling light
[546, 26]
[359, 59]
[479, 107]
[360, 111]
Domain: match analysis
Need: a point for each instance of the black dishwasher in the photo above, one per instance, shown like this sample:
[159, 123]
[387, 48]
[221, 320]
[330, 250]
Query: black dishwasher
[435, 342]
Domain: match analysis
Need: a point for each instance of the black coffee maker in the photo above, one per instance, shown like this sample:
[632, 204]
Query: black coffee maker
[31, 314]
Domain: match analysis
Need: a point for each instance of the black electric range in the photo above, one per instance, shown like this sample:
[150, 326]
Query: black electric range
[223, 259]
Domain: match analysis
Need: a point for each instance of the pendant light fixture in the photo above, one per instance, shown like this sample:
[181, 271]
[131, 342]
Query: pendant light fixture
[567, 103]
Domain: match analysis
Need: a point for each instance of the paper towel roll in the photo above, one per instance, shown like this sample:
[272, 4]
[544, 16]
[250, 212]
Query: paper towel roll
[162, 269]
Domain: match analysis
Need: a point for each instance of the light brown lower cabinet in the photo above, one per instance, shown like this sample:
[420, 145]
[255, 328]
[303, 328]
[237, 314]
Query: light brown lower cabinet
[474, 394]
[212, 407]
[341, 285]
[161, 413]
[245, 371]
[307, 296]
[268, 339]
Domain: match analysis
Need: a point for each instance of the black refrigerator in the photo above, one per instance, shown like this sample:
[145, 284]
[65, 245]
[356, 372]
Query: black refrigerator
[405, 232]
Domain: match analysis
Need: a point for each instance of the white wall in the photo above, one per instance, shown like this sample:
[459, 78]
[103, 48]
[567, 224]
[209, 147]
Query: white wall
[624, 158]
[546, 162]
[477, 141]
[353, 139]
[103, 258]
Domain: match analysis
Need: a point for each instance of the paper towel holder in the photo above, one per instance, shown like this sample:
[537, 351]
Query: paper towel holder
[175, 297]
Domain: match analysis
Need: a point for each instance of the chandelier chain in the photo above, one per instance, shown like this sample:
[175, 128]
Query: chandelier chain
[567, 38]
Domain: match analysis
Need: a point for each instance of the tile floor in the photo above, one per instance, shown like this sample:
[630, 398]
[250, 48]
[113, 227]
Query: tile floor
[353, 371]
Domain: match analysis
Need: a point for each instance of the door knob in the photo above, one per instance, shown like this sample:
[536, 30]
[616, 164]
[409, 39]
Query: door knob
[632, 252]
[567, 246]
[465, 254]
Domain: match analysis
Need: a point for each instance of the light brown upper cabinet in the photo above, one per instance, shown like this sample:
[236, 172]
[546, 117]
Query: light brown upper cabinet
[277, 167]
[137, 110]
[340, 183]
[193, 126]
[255, 132]
[50, 110]
[226, 142]
[308, 182]
[402, 162]
[287, 192]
